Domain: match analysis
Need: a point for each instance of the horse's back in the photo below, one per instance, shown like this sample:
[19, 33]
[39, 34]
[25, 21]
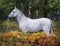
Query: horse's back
[45, 20]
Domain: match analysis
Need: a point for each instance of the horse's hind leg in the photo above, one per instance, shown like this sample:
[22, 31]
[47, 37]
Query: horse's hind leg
[51, 28]
[46, 29]
[24, 31]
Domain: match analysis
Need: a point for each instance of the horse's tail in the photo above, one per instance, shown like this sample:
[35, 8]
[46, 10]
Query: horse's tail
[51, 28]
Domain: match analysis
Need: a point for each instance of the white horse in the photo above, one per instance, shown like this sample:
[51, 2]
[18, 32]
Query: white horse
[31, 25]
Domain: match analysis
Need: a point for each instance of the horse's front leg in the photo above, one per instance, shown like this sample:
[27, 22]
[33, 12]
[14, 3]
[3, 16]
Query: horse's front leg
[24, 31]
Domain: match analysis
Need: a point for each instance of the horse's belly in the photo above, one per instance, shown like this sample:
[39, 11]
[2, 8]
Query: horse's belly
[34, 28]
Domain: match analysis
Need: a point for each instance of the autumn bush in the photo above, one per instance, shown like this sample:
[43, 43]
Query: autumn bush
[16, 38]
[49, 41]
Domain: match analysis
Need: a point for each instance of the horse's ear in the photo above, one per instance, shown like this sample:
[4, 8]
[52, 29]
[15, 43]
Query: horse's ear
[15, 7]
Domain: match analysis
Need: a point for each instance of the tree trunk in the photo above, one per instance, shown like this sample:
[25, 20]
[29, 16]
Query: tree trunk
[45, 12]
[37, 13]
[37, 9]
[29, 9]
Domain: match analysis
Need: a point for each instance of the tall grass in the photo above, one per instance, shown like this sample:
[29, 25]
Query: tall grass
[8, 25]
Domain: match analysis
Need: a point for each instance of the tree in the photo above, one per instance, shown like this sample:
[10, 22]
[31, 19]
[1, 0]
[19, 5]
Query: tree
[38, 7]
[6, 6]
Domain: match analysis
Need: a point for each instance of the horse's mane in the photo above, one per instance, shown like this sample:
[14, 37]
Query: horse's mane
[22, 14]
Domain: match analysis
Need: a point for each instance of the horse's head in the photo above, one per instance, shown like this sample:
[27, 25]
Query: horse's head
[14, 13]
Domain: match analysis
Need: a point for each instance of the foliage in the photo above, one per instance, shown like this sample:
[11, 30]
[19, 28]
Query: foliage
[14, 38]
[8, 25]
[49, 41]
[37, 35]
[6, 6]
[55, 5]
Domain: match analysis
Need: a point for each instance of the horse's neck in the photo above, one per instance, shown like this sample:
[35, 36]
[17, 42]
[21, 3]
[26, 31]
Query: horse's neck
[21, 19]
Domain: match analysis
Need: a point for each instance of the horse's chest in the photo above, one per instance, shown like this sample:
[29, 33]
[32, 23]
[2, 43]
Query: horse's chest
[22, 26]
